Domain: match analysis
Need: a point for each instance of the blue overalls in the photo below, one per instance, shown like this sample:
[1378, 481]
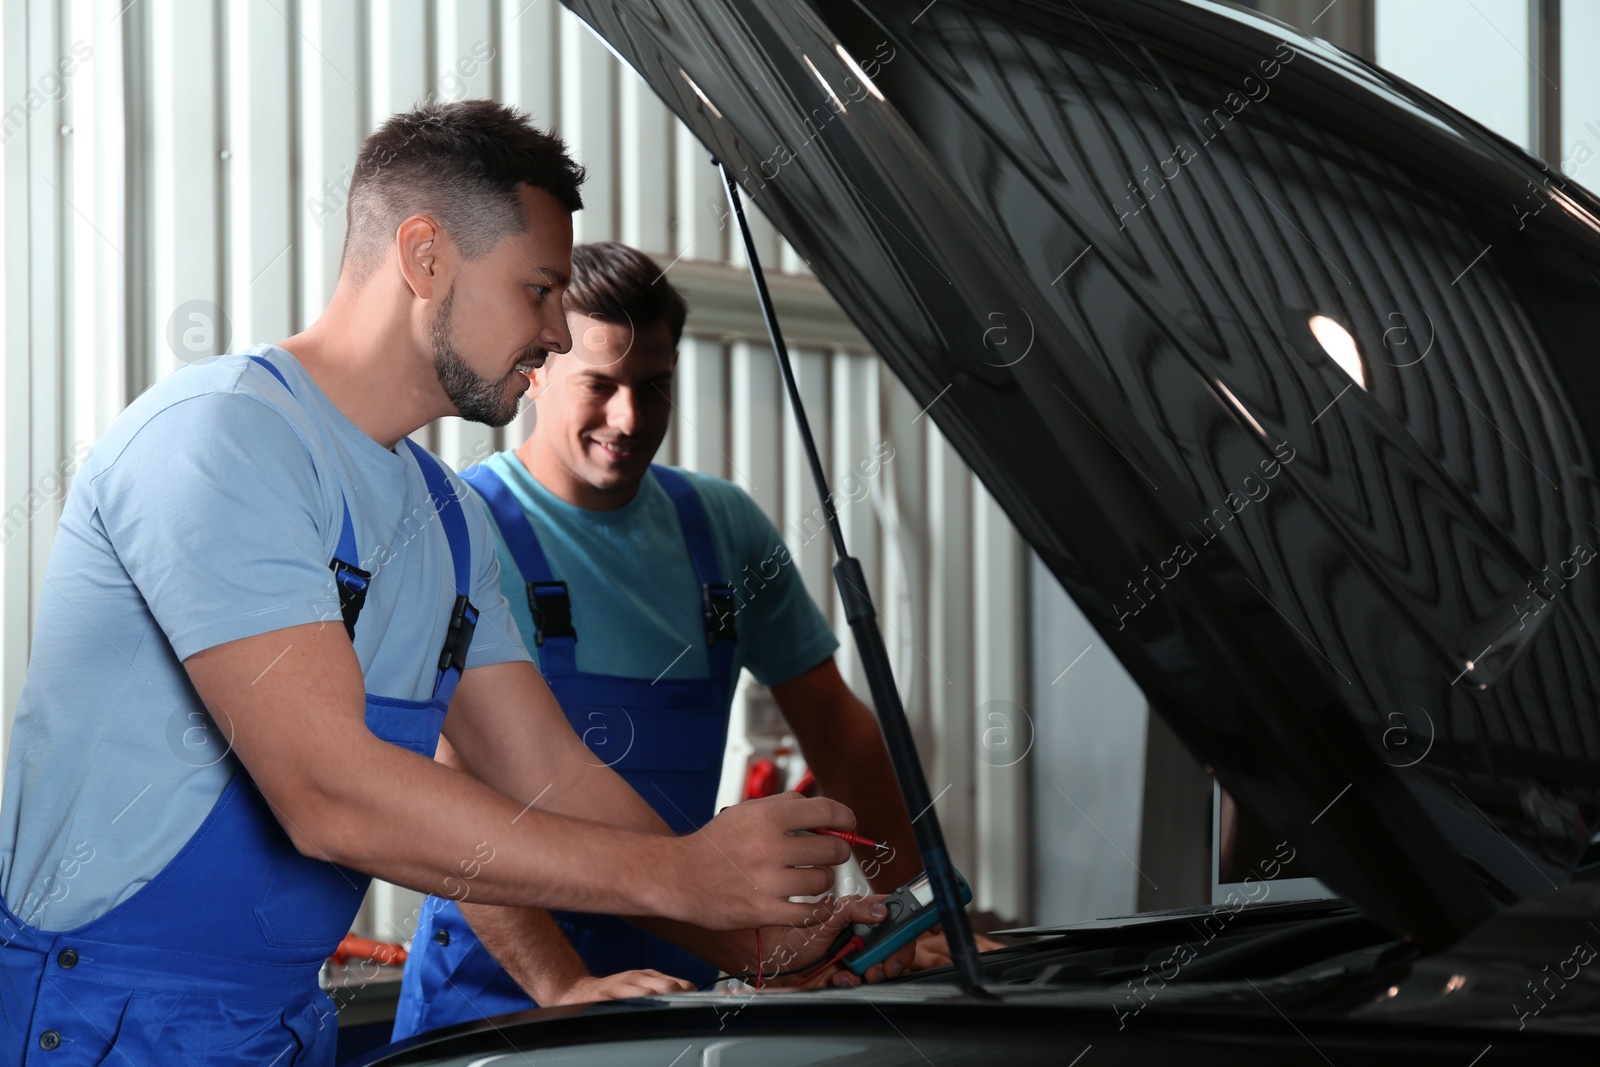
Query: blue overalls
[665, 737]
[215, 959]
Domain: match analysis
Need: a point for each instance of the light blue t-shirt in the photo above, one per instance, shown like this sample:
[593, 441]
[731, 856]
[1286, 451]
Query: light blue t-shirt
[208, 512]
[636, 601]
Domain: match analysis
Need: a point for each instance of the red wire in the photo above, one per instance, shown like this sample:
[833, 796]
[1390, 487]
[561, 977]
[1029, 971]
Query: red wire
[853, 838]
[849, 946]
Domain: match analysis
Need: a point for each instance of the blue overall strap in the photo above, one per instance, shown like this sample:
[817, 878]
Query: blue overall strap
[716, 595]
[463, 616]
[351, 581]
[548, 601]
[347, 537]
[276, 373]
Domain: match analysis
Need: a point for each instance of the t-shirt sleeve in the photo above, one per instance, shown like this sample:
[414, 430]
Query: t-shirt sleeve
[496, 640]
[216, 511]
[783, 632]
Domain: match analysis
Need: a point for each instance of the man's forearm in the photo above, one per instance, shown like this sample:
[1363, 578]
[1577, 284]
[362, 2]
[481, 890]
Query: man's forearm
[729, 950]
[839, 737]
[343, 795]
[857, 773]
[516, 936]
[536, 953]
[419, 824]
[530, 946]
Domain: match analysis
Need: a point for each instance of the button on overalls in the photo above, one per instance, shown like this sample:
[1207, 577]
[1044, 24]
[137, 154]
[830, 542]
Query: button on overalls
[666, 738]
[215, 960]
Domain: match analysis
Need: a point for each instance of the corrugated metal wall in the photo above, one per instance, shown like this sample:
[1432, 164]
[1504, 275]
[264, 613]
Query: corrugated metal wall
[186, 185]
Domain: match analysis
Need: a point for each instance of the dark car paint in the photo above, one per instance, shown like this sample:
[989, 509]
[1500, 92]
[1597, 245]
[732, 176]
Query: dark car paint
[1171, 368]
[1048, 1030]
[1289, 982]
[1390, 654]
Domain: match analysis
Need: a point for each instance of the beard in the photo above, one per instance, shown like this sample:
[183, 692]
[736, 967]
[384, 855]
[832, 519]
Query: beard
[477, 399]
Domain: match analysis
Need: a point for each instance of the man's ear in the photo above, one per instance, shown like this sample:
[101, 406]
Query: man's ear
[539, 380]
[425, 256]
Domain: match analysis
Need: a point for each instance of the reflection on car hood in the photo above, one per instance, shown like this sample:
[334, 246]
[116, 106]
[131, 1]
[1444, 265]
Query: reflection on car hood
[1282, 367]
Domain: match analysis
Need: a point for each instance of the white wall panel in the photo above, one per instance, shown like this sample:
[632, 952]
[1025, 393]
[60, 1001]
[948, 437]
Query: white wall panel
[755, 414]
[400, 62]
[763, 233]
[898, 493]
[187, 166]
[91, 145]
[700, 401]
[789, 260]
[16, 297]
[1001, 810]
[589, 78]
[704, 223]
[330, 57]
[264, 216]
[1472, 54]
[952, 712]
[645, 179]
[801, 524]
[855, 432]
[1580, 92]
[61, 280]
[1088, 721]
[467, 63]
[530, 68]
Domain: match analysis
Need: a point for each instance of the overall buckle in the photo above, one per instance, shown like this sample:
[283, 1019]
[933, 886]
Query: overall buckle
[463, 621]
[352, 583]
[716, 599]
[551, 608]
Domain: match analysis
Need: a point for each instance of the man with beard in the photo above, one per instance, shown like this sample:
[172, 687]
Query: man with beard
[262, 602]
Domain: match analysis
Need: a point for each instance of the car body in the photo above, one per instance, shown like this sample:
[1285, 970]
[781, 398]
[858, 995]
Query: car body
[1296, 398]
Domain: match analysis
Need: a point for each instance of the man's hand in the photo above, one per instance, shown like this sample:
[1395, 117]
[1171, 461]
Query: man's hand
[933, 950]
[738, 869]
[646, 983]
[805, 948]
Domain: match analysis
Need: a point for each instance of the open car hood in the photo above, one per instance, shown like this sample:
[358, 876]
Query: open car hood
[1354, 577]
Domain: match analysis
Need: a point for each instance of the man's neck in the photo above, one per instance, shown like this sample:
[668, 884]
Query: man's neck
[381, 380]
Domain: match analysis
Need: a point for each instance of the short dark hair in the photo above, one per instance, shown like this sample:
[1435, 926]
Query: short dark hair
[616, 283]
[460, 162]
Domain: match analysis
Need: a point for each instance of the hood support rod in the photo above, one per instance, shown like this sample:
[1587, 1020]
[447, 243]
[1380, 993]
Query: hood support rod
[863, 618]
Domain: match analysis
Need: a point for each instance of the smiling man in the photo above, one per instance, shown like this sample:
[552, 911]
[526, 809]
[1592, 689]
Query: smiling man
[248, 643]
[620, 578]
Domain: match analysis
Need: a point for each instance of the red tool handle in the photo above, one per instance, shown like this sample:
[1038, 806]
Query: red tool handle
[761, 780]
[359, 948]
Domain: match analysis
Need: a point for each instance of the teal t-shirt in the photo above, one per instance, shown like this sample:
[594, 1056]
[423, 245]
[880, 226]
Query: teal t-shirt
[635, 598]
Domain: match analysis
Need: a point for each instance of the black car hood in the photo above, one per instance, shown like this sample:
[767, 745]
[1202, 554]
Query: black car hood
[1092, 236]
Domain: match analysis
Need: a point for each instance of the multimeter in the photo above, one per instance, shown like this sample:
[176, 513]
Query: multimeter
[911, 913]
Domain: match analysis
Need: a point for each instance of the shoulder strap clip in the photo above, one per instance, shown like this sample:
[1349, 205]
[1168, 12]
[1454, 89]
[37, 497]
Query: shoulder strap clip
[716, 598]
[463, 623]
[551, 608]
[353, 583]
